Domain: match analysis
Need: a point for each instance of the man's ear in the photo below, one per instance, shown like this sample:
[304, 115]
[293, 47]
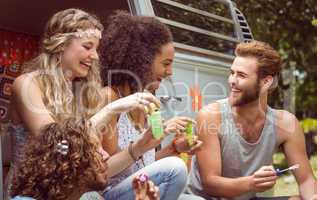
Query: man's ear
[269, 82]
[275, 82]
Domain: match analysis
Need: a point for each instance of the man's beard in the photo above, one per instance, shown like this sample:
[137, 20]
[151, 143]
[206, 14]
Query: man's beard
[248, 96]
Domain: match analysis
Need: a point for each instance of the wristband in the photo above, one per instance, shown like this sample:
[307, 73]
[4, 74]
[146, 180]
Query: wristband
[174, 146]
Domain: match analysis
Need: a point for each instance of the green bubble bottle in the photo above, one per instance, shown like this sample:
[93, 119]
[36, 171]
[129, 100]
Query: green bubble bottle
[189, 137]
[156, 122]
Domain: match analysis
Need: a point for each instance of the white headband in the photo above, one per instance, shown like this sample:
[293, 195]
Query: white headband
[80, 34]
[88, 33]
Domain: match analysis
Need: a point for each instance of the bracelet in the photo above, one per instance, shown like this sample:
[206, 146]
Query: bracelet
[174, 146]
[130, 150]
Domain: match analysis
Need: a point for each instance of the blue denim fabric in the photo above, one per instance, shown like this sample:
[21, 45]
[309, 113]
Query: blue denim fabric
[22, 198]
[169, 174]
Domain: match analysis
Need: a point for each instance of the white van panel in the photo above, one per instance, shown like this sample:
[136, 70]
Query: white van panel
[211, 79]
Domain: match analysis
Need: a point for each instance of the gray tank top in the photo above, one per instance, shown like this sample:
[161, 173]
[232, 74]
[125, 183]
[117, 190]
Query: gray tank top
[239, 157]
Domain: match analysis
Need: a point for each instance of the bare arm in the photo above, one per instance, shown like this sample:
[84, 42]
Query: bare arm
[29, 104]
[209, 157]
[120, 161]
[295, 152]
[123, 159]
[109, 136]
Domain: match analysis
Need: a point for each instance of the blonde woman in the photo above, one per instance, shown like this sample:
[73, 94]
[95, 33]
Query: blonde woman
[64, 81]
[44, 93]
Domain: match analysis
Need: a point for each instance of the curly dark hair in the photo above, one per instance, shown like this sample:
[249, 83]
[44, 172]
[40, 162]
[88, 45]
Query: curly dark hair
[46, 174]
[131, 43]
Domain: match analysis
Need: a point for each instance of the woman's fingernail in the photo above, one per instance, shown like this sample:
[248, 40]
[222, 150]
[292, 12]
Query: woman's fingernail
[143, 178]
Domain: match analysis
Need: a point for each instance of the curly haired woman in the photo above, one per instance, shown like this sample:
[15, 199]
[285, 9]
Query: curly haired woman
[48, 171]
[65, 161]
[137, 54]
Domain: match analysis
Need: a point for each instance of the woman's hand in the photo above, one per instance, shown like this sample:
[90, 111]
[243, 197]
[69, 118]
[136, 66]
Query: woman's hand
[137, 100]
[125, 104]
[177, 124]
[182, 146]
[145, 189]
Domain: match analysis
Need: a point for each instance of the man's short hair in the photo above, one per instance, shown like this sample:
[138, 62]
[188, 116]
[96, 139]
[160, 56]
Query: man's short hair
[268, 59]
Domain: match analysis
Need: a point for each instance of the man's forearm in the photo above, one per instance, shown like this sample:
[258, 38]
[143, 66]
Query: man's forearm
[227, 187]
[308, 189]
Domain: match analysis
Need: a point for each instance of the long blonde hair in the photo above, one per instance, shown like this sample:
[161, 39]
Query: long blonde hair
[58, 94]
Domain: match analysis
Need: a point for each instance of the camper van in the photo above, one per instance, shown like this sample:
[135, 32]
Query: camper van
[205, 34]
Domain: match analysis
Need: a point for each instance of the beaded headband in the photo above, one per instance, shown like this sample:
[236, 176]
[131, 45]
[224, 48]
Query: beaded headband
[80, 34]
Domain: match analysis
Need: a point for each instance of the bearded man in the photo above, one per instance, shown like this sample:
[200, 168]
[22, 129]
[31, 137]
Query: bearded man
[240, 134]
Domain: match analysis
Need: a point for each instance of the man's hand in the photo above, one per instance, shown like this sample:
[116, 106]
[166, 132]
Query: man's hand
[263, 179]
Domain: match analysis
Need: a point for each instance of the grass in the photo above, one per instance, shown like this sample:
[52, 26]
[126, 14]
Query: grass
[283, 188]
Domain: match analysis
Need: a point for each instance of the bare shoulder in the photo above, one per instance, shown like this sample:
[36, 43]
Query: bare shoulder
[25, 82]
[209, 119]
[109, 94]
[286, 124]
[210, 110]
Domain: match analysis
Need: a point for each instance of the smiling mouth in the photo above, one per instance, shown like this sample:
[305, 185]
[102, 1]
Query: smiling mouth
[85, 65]
[234, 90]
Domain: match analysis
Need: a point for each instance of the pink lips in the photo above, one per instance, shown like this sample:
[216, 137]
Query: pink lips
[234, 91]
[85, 65]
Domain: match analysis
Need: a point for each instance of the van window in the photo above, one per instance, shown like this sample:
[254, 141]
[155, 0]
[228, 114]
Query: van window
[211, 6]
[202, 41]
[202, 24]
